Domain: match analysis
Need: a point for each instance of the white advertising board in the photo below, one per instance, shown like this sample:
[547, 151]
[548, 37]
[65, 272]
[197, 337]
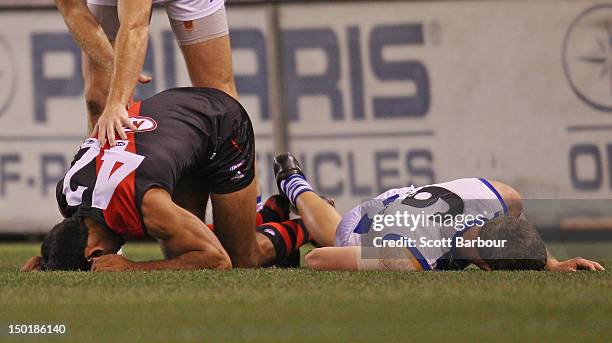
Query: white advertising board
[378, 94]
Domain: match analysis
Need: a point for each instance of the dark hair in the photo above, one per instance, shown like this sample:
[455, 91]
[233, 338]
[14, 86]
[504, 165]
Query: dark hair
[524, 249]
[64, 246]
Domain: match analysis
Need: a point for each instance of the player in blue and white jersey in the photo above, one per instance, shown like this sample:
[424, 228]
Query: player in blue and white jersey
[445, 226]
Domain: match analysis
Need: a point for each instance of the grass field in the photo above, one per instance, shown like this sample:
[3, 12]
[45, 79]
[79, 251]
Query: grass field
[302, 305]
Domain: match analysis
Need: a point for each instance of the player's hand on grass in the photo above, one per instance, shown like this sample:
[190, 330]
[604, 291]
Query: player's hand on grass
[112, 120]
[111, 263]
[575, 264]
[32, 265]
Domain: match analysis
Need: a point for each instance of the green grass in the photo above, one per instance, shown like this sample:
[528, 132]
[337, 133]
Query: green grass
[271, 305]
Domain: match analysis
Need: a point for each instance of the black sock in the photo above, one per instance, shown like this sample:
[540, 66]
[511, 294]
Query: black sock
[276, 209]
[286, 237]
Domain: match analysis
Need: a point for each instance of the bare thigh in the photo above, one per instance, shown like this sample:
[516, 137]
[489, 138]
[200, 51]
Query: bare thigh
[209, 64]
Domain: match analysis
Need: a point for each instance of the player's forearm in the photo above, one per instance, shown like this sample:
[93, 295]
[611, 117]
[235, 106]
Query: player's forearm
[194, 260]
[334, 258]
[356, 258]
[130, 49]
[86, 31]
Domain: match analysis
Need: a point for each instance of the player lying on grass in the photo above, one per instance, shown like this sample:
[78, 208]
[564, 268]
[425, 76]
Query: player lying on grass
[199, 136]
[445, 226]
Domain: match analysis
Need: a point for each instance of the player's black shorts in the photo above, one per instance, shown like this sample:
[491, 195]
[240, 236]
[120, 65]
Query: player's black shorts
[231, 164]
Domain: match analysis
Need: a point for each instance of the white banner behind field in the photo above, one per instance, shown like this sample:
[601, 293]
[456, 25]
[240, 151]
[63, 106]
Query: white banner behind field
[378, 95]
[393, 94]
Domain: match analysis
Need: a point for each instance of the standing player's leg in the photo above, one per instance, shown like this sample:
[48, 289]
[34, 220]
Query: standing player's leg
[205, 45]
[216, 72]
[97, 82]
[95, 76]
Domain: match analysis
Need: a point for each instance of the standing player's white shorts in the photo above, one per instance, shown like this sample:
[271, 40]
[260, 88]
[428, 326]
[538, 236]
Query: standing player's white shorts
[193, 21]
[487, 202]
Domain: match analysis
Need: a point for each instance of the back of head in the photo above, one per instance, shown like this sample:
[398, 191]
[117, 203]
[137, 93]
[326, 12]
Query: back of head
[64, 246]
[523, 248]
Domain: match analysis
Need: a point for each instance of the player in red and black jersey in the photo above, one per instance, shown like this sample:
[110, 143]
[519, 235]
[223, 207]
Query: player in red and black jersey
[190, 142]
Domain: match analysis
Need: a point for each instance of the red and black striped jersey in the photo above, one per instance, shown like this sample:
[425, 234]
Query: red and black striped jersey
[179, 131]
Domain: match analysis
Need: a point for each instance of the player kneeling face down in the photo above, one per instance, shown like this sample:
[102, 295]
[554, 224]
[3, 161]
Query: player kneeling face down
[191, 141]
[393, 232]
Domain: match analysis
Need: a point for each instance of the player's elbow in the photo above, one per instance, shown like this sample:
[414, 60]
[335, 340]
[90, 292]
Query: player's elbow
[223, 263]
[217, 259]
[209, 260]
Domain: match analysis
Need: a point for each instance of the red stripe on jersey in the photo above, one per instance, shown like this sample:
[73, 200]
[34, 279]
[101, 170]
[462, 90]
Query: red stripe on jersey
[121, 214]
[299, 233]
[283, 232]
[134, 110]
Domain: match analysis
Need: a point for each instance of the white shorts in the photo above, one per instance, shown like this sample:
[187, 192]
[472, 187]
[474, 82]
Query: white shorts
[345, 235]
[485, 201]
[193, 21]
[183, 10]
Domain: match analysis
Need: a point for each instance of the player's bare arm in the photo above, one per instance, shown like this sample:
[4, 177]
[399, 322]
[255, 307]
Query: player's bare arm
[130, 48]
[87, 32]
[185, 240]
[571, 265]
[98, 54]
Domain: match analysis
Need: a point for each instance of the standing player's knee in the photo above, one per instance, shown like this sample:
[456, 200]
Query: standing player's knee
[220, 79]
[226, 76]
[94, 110]
[95, 100]
[511, 197]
